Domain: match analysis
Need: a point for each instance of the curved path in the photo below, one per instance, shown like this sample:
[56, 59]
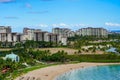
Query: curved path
[49, 73]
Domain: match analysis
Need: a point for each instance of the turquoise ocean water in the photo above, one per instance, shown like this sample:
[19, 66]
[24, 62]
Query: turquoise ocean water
[111, 72]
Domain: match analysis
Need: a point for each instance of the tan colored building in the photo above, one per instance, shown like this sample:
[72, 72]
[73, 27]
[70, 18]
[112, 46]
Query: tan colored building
[5, 29]
[63, 32]
[45, 36]
[98, 32]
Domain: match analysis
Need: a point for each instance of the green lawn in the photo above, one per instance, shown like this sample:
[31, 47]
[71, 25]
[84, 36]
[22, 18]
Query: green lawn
[18, 73]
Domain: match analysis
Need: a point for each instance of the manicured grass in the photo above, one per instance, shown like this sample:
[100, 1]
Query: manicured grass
[18, 73]
[95, 58]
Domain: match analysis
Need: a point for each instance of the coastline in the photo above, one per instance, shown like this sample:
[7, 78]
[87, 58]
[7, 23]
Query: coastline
[50, 73]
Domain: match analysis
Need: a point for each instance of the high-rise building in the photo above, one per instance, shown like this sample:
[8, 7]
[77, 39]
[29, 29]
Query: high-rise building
[40, 36]
[5, 29]
[64, 32]
[53, 37]
[30, 33]
[57, 35]
[97, 32]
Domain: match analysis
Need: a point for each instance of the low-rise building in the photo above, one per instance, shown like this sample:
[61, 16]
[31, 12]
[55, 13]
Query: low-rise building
[13, 57]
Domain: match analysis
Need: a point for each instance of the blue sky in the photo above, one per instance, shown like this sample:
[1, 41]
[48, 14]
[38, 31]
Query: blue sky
[73, 14]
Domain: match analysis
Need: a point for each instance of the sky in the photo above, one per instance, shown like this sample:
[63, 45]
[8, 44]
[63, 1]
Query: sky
[47, 14]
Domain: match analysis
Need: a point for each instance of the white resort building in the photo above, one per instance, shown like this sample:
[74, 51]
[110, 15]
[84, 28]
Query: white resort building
[97, 32]
[58, 34]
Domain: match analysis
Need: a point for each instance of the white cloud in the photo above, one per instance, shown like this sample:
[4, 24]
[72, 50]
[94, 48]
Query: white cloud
[112, 24]
[42, 25]
[55, 25]
[68, 25]
[79, 25]
[61, 25]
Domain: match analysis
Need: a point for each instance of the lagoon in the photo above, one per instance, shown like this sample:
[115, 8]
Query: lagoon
[111, 72]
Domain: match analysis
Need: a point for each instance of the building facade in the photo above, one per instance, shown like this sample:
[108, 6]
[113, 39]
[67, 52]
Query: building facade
[38, 35]
[97, 32]
[5, 29]
[64, 32]
[57, 35]
[8, 37]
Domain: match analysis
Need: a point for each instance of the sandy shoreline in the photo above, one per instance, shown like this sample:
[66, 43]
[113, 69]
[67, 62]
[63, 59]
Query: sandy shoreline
[49, 73]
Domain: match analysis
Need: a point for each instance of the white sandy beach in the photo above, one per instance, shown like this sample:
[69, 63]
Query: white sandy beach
[49, 73]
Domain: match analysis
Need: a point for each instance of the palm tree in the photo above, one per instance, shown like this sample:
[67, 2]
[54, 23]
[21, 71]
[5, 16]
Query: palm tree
[79, 52]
